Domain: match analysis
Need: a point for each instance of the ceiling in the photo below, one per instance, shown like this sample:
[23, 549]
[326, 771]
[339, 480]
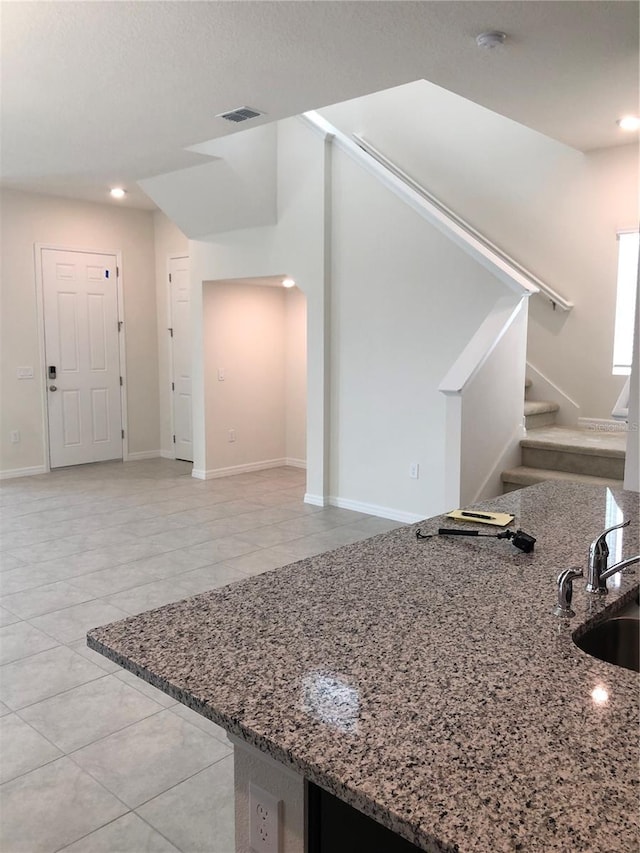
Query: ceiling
[102, 93]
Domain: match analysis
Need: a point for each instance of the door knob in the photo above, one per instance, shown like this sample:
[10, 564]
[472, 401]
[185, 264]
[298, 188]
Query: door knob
[53, 387]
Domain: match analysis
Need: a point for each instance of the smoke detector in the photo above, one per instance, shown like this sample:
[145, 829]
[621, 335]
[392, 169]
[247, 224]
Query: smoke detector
[491, 39]
[240, 114]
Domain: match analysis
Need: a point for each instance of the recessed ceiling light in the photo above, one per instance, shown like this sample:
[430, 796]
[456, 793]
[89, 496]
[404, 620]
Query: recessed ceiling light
[491, 39]
[117, 192]
[288, 282]
[628, 123]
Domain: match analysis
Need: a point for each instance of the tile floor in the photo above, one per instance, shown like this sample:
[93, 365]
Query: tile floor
[93, 760]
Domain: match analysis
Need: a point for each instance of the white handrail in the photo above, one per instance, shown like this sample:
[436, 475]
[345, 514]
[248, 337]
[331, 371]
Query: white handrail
[552, 295]
[507, 269]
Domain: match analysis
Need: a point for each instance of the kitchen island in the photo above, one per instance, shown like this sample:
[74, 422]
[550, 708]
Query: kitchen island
[426, 683]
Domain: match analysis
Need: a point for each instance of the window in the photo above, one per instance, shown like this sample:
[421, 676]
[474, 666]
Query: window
[628, 243]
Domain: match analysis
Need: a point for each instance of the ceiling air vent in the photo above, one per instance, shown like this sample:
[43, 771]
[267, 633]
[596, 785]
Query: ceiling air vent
[241, 114]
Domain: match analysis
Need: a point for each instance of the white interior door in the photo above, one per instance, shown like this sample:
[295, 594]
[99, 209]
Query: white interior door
[179, 289]
[80, 298]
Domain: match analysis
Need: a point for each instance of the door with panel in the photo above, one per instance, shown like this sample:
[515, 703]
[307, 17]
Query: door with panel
[82, 352]
[179, 288]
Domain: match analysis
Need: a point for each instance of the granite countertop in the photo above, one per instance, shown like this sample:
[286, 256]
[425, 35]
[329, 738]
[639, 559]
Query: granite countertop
[426, 683]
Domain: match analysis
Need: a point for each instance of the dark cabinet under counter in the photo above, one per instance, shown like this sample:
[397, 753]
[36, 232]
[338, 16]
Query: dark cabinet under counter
[333, 826]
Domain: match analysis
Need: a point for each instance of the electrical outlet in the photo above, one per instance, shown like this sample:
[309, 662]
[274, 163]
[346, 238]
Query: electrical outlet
[15, 436]
[414, 470]
[232, 435]
[264, 821]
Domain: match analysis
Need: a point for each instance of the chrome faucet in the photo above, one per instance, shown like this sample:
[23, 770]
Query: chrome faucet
[597, 571]
[565, 592]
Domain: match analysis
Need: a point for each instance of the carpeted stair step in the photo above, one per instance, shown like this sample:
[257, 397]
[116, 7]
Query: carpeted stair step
[539, 413]
[518, 478]
[576, 451]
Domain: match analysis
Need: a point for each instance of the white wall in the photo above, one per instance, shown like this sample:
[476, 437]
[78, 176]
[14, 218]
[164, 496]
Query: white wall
[552, 208]
[28, 219]
[405, 300]
[168, 240]
[245, 336]
[295, 248]
[390, 304]
[235, 189]
[295, 320]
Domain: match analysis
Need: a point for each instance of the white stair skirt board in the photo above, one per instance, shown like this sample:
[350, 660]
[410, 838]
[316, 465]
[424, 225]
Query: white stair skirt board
[215, 473]
[543, 388]
[11, 473]
[143, 454]
[379, 511]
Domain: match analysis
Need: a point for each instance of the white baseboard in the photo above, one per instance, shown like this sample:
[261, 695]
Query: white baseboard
[11, 473]
[316, 500]
[215, 473]
[374, 509]
[602, 425]
[295, 463]
[143, 454]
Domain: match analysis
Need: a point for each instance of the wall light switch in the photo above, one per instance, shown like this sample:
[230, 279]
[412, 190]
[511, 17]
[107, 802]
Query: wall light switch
[221, 374]
[414, 470]
[25, 373]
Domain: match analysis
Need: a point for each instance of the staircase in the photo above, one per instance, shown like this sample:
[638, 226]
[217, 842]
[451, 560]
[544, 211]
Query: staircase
[551, 452]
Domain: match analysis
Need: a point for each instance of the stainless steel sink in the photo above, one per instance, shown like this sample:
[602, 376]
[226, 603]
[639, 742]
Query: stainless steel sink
[615, 641]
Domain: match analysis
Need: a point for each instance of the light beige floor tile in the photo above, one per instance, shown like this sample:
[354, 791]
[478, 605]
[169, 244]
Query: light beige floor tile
[50, 549]
[4, 709]
[197, 815]
[7, 618]
[49, 808]
[21, 640]
[44, 599]
[81, 648]
[22, 748]
[87, 713]
[127, 834]
[180, 537]
[201, 722]
[144, 687]
[208, 577]
[218, 550]
[8, 562]
[112, 580]
[147, 597]
[27, 577]
[170, 563]
[259, 561]
[149, 757]
[72, 623]
[35, 678]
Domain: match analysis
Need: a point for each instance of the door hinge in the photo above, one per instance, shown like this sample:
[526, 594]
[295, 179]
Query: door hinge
[122, 431]
[121, 382]
[170, 331]
[169, 278]
[119, 325]
[173, 386]
[174, 439]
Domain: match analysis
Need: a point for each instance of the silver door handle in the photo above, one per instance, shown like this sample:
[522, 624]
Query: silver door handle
[53, 387]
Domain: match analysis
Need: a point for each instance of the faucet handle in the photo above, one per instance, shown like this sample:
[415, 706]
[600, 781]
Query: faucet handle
[599, 548]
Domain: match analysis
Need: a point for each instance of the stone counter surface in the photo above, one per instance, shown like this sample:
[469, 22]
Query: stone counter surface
[426, 683]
